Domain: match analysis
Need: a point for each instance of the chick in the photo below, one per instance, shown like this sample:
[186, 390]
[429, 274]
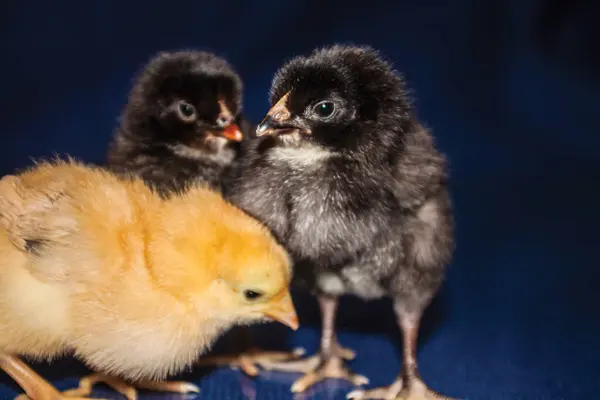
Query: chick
[354, 188]
[182, 122]
[133, 284]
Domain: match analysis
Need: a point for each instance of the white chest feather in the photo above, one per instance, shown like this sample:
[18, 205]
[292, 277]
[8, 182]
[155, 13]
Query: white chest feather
[354, 280]
[221, 155]
[300, 157]
[429, 219]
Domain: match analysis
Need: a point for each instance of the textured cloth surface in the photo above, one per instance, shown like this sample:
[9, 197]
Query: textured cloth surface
[511, 91]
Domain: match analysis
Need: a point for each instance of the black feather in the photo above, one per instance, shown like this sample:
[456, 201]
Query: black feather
[361, 202]
[165, 151]
[35, 246]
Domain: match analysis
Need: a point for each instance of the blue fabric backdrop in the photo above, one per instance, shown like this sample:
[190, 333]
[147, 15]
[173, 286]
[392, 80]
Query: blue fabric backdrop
[510, 89]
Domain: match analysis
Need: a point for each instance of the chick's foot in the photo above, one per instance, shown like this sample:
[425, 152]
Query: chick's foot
[250, 360]
[35, 387]
[333, 368]
[409, 385]
[126, 389]
[307, 364]
[417, 390]
[320, 367]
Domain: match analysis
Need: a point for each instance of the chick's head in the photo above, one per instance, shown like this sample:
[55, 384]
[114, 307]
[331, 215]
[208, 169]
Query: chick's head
[187, 97]
[223, 262]
[339, 98]
[254, 275]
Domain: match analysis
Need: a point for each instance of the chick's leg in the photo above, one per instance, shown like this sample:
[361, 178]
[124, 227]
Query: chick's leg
[329, 362]
[250, 360]
[129, 390]
[35, 387]
[408, 385]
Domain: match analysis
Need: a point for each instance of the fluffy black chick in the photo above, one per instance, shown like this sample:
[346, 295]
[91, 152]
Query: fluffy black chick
[353, 186]
[182, 122]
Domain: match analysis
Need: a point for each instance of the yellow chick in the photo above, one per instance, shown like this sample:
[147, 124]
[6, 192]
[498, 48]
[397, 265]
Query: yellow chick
[134, 285]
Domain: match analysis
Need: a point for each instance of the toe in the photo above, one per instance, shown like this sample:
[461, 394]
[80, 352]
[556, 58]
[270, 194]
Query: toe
[359, 380]
[248, 366]
[347, 354]
[298, 352]
[382, 393]
[303, 383]
[80, 398]
[129, 393]
[356, 395]
[305, 365]
[169, 386]
[187, 387]
[298, 387]
[418, 390]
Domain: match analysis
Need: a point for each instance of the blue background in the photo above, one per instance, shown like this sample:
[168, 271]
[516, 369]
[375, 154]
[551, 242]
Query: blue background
[511, 91]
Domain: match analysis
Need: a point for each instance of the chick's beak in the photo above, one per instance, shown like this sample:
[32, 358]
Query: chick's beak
[225, 119]
[233, 132]
[278, 120]
[283, 310]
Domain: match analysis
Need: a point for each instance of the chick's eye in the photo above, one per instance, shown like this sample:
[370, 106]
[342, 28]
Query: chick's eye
[252, 295]
[324, 109]
[186, 111]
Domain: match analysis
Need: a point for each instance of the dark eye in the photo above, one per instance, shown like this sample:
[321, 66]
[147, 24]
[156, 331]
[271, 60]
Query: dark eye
[186, 111]
[324, 109]
[252, 295]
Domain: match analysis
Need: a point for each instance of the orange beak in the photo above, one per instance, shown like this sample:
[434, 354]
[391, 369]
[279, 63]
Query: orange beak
[231, 130]
[282, 310]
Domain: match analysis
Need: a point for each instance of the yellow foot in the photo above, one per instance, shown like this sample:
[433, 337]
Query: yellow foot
[396, 391]
[317, 368]
[36, 387]
[54, 396]
[250, 360]
[48, 392]
[332, 368]
[126, 389]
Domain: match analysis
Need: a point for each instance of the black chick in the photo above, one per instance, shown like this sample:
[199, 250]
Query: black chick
[182, 123]
[353, 186]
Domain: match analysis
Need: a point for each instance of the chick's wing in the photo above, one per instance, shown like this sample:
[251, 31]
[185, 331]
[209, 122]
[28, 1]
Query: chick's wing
[56, 215]
[30, 214]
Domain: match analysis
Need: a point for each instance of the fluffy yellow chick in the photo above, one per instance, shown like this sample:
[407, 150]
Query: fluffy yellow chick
[134, 285]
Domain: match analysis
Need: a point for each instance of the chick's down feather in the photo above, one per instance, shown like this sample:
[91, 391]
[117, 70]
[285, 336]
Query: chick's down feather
[351, 183]
[135, 285]
[183, 122]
